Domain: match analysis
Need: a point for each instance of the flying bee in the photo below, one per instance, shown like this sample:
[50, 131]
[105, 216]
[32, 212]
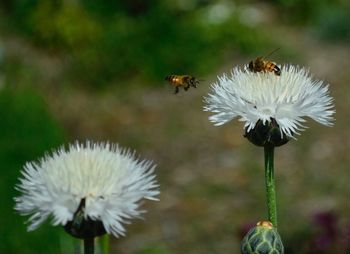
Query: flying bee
[185, 81]
[260, 64]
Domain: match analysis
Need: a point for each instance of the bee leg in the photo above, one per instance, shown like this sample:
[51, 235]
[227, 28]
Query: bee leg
[176, 90]
[186, 87]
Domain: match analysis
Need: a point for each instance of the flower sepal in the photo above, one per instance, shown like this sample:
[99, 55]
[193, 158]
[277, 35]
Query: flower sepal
[81, 227]
[268, 134]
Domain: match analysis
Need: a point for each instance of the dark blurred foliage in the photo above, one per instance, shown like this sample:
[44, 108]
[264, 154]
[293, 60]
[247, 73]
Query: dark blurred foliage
[329, 19]
[104, 41]
[244, 229]
[322, 234]
[27, 130]
[332, 23]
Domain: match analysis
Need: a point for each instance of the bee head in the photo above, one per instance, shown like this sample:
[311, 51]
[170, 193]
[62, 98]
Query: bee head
[251, 66]
[194, 82]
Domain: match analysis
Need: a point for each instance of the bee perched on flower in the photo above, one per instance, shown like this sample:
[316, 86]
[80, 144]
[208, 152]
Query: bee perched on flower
[90, 189]
[272, 107]
[261, 64]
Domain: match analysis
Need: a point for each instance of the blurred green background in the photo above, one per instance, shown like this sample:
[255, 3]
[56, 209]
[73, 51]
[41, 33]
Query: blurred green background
[84, 69]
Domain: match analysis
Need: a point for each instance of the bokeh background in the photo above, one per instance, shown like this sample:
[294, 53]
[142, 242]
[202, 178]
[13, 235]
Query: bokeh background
[84, 69]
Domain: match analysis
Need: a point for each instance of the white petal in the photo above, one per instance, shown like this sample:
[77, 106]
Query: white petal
[289, 99]
[111, 180]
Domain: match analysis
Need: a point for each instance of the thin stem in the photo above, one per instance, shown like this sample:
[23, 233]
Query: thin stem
[89, 246]
[270, 185]
[105, 244]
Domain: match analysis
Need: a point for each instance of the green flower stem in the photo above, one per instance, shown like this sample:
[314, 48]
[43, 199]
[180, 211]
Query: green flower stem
[105, 244]
[270, 185]
[89, 246]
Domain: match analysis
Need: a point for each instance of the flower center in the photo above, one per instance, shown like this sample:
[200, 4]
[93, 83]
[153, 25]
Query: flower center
[268, 110]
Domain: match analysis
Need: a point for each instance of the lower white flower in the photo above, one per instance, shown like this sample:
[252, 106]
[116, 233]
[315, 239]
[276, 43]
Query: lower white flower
[106, 180]
[265, 97]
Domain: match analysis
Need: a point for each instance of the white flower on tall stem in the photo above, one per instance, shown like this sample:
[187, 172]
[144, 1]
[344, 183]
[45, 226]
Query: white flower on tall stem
[265, 97]
[273, 109]
[101, 182]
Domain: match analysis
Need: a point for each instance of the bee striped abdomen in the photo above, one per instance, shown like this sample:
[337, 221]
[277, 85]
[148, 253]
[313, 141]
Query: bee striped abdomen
[272, 67]
[175, 79]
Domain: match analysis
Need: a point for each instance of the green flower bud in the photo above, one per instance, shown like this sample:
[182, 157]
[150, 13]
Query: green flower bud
[268, 134]
[262, 239]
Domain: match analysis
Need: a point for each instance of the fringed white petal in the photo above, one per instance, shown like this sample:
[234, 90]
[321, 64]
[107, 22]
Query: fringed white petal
[289, 99]
[111, 180]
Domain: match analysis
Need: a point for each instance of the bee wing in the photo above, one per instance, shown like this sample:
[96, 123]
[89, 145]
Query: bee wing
[273, 51]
